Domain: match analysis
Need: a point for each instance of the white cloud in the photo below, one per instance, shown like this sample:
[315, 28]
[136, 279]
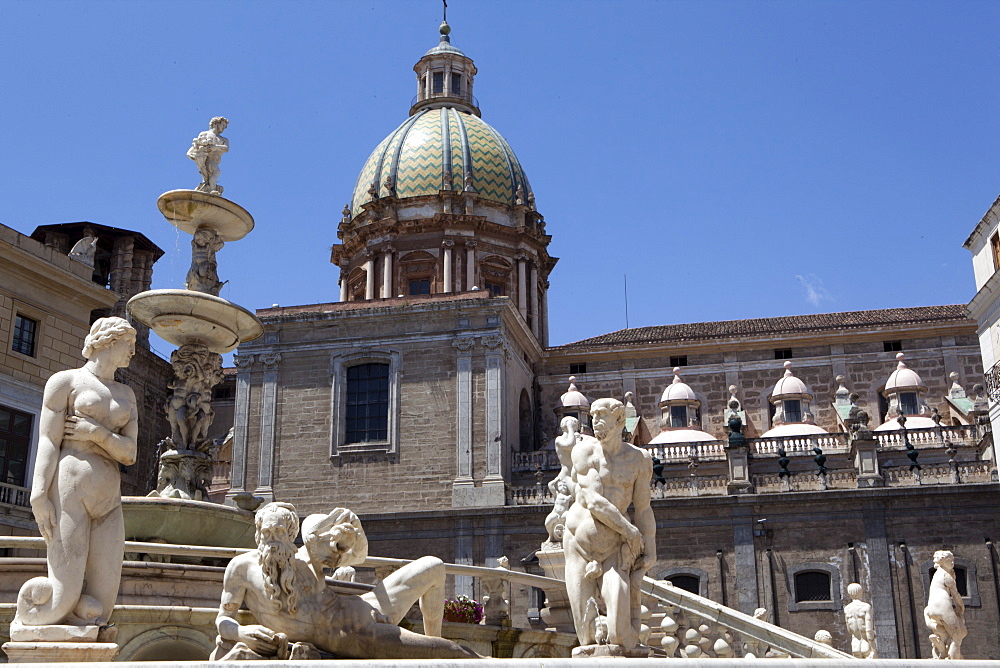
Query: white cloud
[816, 292]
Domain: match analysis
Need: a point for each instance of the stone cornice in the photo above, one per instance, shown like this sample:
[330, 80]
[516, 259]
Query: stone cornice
[989, 219]
[39, 272]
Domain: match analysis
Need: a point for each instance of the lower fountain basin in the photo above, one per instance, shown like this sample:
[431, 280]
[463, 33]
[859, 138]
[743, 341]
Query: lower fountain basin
[184, 522]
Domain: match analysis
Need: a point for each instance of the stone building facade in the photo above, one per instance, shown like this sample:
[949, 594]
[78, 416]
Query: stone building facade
[427, 398]
[47, 303]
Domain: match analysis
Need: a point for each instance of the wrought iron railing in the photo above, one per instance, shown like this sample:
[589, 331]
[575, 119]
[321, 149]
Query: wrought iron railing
[991, 379]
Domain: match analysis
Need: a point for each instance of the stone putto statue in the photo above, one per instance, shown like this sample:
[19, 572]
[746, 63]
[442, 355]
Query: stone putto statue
[561, 487]
[300, 614]
[860, 623]
[206, 151]
[87, 428]
[606, 554]
[945, 611]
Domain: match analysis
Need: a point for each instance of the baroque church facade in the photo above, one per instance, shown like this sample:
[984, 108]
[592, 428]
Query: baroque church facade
[426, 399]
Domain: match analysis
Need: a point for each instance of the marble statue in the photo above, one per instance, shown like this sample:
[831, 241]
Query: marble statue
[945, 611]
[286, 592]
[860, 623]
[203, 276]
[825, 637]
[206, 151]
[606, 554]
[561, 487]
[189, 410]
[87, 428]
[85, 249]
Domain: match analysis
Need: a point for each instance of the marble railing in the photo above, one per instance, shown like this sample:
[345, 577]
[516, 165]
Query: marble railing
[544, 460]
[938, 474]
[12, 495]
[931, 437]
[704, 451]
[800, 444]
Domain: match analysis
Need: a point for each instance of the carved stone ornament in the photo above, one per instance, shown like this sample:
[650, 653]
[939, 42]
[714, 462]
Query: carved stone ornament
[464, 343]
[243, 362]
[492, 341]
[203, 276]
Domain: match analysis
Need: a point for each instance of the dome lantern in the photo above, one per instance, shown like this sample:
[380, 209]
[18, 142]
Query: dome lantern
[444, 78]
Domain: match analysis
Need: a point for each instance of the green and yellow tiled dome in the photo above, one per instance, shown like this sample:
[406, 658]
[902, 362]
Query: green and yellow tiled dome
[435, 142]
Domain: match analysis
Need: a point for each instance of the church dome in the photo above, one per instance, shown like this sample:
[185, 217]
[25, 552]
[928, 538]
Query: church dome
[678, 390]
[789, 385]
[441, 148]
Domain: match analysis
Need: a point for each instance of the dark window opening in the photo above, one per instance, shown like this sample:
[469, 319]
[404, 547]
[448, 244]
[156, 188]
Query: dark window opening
[25, 331]
[496, 289]
[792, 409]
[437, 82]
[223, 393]
[420, 286]
[782, 353]
[892, 346]
[908, 403]
[367, 403]
[961, 579]
[686, 582]
[812, 586]
[678, 416]
[456, 84]
[679, 361]
[15, 442]
[580, 367]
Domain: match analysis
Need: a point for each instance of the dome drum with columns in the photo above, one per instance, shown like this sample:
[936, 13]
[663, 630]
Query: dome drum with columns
[443, 205]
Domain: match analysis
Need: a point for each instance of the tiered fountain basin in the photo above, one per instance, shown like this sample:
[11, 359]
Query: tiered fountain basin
[188, 210]
[185, 316]
[183, 522]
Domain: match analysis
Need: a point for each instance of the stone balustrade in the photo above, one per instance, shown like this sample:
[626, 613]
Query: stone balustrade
[702, 451]
[14, 497]
[544, 460]
[792, 445]
[931, 437]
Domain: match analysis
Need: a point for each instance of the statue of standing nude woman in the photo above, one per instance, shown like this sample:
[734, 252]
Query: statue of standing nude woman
[87, 427]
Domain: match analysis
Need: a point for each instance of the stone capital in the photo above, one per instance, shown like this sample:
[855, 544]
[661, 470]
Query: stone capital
[464, 343]
[270, 360]
[471, 244]
[492, 341]
[388, 249]
[447, 243]
[244, 362]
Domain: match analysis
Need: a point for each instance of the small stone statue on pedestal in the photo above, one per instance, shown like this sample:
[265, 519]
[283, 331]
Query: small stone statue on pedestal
[88, 427]
[945, 611]
[206, 151]
[860, 623]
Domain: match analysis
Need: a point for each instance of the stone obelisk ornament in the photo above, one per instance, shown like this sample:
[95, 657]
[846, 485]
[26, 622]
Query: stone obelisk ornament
[87, 428]
[196, 319]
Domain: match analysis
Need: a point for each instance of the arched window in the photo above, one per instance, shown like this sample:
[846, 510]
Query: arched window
[525, 440]
[812, 586]
[417, 270]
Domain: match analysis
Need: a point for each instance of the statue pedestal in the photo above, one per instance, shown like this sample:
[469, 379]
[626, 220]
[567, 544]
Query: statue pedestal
[556, 614]
[59, 652]
[612, 651]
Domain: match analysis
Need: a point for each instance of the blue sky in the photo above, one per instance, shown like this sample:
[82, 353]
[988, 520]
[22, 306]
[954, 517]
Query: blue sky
[734, 159]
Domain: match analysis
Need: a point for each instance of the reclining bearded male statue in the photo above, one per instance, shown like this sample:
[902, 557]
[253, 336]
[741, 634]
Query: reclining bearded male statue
[286, 592]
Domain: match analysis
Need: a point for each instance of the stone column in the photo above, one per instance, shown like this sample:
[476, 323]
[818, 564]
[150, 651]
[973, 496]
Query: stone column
[343, 285]
[493, 489]
[545, 314]
[369, 276]
[269, 406]
[463, 486]
[880, 578]
[428, 79]
[745, 581]
[387, 271]
[447, 79]
[522, 280]
[241, 418]
[533, 286]
[447, 244]
[470, 264]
